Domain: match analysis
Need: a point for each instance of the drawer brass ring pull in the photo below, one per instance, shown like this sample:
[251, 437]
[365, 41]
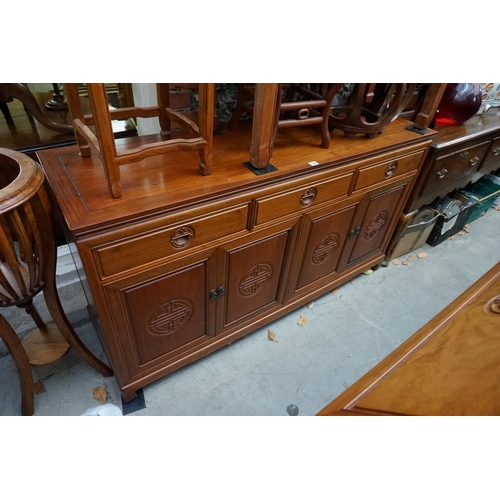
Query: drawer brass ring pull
[308, 197]
[463, 155]
[474, 161]
[182, 237]
[496, 151]
[389, 171]
[442, 173]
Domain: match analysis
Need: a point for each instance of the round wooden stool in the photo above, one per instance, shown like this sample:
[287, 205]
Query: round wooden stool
[28, 256]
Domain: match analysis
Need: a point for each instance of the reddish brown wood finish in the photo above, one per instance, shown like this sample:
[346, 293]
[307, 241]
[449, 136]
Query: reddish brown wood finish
[28, 256]
[451, 366]
[103, 143]
[233, 231]
[429, 105]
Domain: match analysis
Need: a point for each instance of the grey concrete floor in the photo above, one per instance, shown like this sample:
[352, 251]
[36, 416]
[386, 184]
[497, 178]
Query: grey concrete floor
[348, 332]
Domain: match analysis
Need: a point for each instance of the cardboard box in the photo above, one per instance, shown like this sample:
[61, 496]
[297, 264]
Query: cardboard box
[417, 232]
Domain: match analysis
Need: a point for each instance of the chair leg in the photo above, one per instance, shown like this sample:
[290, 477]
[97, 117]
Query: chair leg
[67, 331]
[238, 110]
[21, 361]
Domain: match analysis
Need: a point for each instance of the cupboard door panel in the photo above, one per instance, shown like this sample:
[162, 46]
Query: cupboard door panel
[163, 312]
[327, 235]
[168, 312]
[377, 220]
[253, 276]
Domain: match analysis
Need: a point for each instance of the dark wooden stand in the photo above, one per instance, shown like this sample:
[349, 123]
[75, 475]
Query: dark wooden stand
[182, 265]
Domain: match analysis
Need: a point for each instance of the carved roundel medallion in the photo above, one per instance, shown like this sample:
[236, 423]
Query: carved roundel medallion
[325, 248]
[255, 279]
[182, 237]
[493, 306]
[375, 225]
[171, 316]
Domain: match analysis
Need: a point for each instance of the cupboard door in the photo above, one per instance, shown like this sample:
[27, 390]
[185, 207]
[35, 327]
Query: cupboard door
[254, 276]
[325, 236]
[369, 236]
[164, 311]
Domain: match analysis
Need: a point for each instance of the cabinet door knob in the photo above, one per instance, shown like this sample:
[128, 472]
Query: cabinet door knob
[473, 161]
[389, 171]
[463, 155]
[496, 151]
[308, 197]
[442, 173]
[355, 232]
[213, 294]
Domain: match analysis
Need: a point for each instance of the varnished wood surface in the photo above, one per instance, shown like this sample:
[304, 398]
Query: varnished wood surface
[443, 171]
[165, 182]
[45, 346]
[27, 135]
[169, 221]
[478, 125]
[451, 366]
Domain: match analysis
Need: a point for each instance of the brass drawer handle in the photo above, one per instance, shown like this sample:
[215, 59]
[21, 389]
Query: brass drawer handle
[442, 173]
[496, 151]
[474, 161]
[389, 171]
[182, 237]
[307, 198]
[463, 155]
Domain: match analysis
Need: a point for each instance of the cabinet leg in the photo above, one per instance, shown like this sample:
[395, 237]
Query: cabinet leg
[384, 263]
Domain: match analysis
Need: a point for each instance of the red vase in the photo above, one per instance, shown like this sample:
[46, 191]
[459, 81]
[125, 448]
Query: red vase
[460, 102]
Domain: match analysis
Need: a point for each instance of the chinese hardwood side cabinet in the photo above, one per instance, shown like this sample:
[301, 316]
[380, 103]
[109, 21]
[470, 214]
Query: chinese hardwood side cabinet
[182, 265]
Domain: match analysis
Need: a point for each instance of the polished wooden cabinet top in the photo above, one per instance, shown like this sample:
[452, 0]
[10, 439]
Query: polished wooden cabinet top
[451, 366]
[167, 182]
[478, 125]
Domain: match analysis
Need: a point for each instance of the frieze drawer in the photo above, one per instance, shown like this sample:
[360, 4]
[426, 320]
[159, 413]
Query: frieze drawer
[309, 195]
[150, 247]
[492, 160]
[388, 170]
[451, 167]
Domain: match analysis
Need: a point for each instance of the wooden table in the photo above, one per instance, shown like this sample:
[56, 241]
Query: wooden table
[451, 366]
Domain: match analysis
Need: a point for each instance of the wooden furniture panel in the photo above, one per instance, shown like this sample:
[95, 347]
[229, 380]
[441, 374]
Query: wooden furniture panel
[307, 196]
[158, 244]
[368, 236]
[492, 158]
[442, 171]
[453, 166]
[326, 236]
[249, 259]
[164, 311]
[390, 169]
[451, 366]
[254, 273]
